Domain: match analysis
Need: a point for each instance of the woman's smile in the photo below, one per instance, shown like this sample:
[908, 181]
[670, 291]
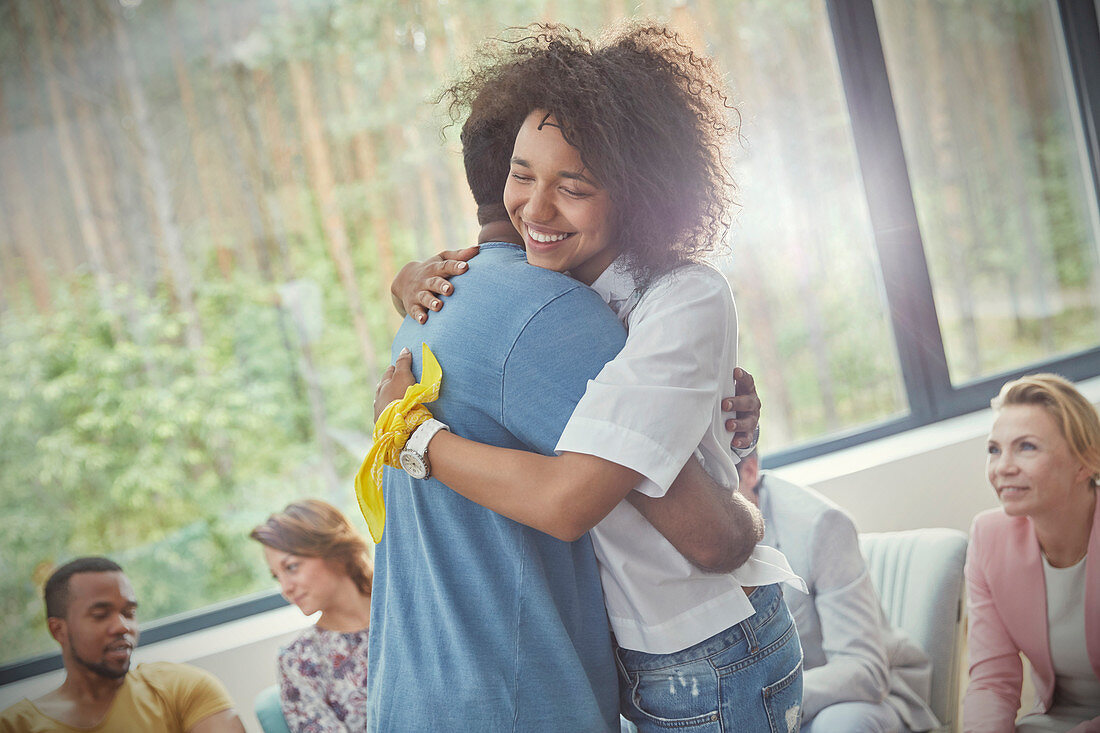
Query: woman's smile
[540, 236]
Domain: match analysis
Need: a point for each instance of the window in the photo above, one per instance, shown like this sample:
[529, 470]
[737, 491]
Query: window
[815, 327]
[997, 162]
[204, 203]
[890, 140]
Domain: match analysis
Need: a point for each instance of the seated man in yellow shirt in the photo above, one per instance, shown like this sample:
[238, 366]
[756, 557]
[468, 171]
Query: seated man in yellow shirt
[91, 611]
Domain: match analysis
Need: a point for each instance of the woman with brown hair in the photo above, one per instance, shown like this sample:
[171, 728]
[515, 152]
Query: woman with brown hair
[1033, 565]
[322, 565]
[617, 178]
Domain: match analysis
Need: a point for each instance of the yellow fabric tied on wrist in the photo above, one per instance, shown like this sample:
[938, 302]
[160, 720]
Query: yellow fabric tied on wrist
[391, 430]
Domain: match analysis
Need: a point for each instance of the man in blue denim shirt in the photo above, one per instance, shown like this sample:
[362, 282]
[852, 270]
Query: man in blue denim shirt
[480, 623]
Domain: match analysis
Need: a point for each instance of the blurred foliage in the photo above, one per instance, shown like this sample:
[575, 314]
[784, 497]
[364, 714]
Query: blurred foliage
[160, 457]
[999, 176]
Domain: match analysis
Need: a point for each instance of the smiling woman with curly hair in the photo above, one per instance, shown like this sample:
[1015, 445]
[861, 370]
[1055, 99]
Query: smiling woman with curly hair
[617, 178]
[647, 115]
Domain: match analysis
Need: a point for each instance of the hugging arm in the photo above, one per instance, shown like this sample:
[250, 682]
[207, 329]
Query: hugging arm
[563, 496]
[420, 287]
[713, 526]
[566, 495]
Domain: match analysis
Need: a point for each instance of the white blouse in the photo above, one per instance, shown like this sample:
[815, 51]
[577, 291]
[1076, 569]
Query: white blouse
[649, 409]
[1075, 682]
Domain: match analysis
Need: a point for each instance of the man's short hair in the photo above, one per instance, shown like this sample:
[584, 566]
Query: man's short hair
[487, 154]
[56, 591]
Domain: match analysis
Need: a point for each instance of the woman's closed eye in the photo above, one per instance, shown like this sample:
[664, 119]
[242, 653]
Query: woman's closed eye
[575, 193]
[520, 177]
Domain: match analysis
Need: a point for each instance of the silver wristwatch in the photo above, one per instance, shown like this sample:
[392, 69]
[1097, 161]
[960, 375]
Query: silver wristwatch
[414, 456]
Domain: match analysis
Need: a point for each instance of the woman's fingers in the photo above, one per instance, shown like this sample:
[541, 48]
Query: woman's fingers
[395, 380]
[380, 401]
[454, 267]
[450, 262]
[434, 275]
[434, 283]
[417, 287]
[460, 255]
[429, 300]
[439, 285]
[388, 374]
[403, 365]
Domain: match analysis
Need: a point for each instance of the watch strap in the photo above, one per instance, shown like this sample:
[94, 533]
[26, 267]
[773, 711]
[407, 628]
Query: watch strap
[418, 441]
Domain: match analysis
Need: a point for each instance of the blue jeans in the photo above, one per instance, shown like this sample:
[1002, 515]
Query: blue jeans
[746, 678]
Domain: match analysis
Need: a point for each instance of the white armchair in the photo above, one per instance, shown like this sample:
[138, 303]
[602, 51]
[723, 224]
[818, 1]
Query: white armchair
[919, 578]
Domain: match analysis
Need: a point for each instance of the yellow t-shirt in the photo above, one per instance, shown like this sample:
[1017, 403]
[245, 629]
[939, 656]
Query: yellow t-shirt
[159, 697]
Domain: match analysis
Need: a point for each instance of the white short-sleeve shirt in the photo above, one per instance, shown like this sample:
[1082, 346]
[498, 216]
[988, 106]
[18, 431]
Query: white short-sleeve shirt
[649, 409]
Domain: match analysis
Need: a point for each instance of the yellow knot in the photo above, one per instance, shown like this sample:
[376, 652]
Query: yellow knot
[391, 431]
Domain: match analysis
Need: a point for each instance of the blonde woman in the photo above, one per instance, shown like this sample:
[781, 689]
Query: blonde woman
[1033, 566]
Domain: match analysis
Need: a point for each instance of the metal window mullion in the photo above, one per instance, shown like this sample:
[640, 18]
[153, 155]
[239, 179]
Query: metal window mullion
[1076, 367]
[892, 209]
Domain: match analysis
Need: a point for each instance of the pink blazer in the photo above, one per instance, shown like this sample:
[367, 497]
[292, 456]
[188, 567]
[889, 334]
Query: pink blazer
[1006, 597]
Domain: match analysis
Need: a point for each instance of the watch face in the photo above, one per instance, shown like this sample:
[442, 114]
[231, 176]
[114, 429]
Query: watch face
[413, 464]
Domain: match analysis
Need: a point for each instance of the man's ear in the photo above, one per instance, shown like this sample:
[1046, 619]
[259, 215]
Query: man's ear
[57, 629]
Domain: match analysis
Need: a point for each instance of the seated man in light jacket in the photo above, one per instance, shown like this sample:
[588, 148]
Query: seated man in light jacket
[860, 674]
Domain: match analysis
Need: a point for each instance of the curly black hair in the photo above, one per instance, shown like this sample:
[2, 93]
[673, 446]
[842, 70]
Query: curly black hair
[648, 115]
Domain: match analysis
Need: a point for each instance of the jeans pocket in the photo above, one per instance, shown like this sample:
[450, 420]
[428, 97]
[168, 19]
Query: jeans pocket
[783, 702]
[673, 699]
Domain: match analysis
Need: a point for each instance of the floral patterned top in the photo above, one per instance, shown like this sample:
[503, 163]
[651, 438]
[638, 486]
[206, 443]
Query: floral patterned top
[323, 681]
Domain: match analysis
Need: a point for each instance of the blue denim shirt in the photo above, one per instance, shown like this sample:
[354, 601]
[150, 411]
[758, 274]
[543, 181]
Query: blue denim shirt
[477, 622]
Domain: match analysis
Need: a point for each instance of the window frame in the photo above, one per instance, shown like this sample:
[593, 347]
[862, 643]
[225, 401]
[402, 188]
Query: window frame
[896, 232]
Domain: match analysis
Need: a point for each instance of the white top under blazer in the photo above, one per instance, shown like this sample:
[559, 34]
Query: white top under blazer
[650, 409]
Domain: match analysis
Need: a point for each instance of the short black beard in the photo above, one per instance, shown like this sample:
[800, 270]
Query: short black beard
[97, 667]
